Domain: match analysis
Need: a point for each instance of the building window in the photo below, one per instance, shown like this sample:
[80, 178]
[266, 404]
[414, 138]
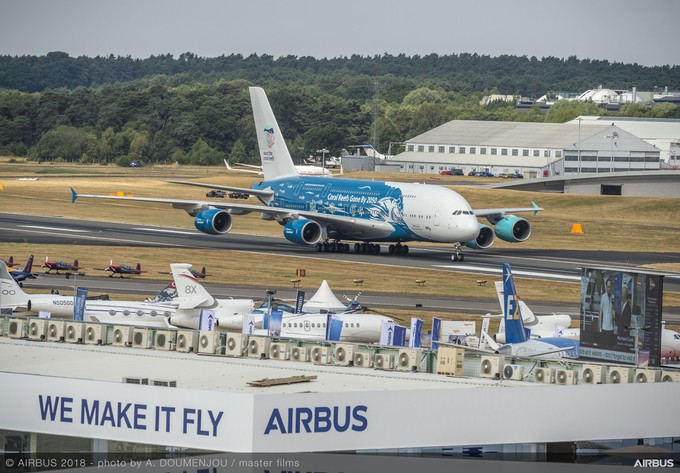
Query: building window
[441, 149]
[515, 152]
[494, 151]
[558, 154]
[537, 153]
[473, 150]
[430, 149]
[421, 148]
[452, 149]
[504, 151]
[525, 152]
[461, 150]
[482, 150]
[546, 153]
[409, 148]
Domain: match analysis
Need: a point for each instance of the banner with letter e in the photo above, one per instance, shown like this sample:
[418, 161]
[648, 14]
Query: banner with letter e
[387, 332]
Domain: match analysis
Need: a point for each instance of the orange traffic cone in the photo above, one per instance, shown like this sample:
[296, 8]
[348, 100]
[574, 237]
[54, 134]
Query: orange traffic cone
[576, 228]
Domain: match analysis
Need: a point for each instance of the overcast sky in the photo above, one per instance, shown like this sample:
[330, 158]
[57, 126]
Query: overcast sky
[626, 31]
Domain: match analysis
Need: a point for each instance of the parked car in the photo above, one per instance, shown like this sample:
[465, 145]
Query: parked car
[135, 163]
[216, 193]
[451, 172]
[238, 195]
[446, 173]
[485, 174]
[472, 173]
[517, 175]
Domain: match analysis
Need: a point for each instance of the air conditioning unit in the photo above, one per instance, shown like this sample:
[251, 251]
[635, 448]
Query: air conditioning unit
[362, 359]
[299, 354]
[136, 380]
[208, 342]
[55, 330]
[164, 340]
[647, 376]
[320, 355]
[17, 328]
[258, 347]
[74, 332]
[95, 334]
[187, 341]
[544, 375]
[566, 377]
[142, 338]
[383, 361]
[619, 374]
[450, 360]
[279, 351]
[513, 372]
[593, 374]
[122, 336]
[670, 376]
[235, 344]
[491, 366]
[408, 359]
[168, 383]
[343, 354]
[37, 329]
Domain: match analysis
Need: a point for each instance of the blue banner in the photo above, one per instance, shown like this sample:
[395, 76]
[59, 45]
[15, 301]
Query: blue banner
[333, 328]
[436, 327]
[275, 320]
[416, 330]
[399, 336]
[299, 301]
[79, 304]
[387, 333]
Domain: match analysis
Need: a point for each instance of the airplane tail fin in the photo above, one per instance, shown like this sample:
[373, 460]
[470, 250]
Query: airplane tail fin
[514, 327]
[10, 261]
[192, 293]
[229, 168]
[75, 263]
[138, 268]
[12, 295]
[167, 294]
[203, 273]
[29, 265]
[276, 160]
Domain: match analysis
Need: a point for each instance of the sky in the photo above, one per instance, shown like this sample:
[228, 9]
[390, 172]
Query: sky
[628, 31]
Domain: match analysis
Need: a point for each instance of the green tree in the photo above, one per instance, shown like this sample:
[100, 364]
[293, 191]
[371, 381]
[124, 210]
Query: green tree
[63, 143]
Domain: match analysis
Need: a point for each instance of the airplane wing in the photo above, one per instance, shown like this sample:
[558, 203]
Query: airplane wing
[357, 227]
[244, 170]
[500, 213]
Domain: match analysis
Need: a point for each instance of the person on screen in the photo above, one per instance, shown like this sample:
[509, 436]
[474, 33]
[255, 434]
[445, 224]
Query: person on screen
[623, 322]
[607, 310]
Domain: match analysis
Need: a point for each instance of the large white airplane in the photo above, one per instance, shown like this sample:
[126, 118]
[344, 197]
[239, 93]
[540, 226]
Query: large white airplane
[325, 212]
[145, 314]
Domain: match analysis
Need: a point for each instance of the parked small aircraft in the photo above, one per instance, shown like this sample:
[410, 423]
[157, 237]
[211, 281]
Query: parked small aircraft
[9, 262]
[195, 273]
[23, 274]
[60, 265]
[122, 269]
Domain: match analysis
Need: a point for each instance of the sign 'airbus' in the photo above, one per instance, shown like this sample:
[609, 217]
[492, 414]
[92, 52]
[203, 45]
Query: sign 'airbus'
[329, 212]
[317, 420]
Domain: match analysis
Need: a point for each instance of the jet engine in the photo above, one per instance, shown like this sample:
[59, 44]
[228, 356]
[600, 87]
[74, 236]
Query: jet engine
[484, 239]
[513, 229]
[302, 232]
[213, 222]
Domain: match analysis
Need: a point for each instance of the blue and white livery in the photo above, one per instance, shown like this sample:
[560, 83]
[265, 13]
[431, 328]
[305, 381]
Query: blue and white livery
[325, 211]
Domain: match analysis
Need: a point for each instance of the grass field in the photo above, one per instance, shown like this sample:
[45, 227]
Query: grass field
[609, 223]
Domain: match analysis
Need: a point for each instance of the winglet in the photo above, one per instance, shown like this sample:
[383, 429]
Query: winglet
[74, 195]
[536, 207]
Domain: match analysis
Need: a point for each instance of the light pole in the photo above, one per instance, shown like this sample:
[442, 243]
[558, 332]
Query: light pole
[612, 138]
[579, 145]
[323, 152]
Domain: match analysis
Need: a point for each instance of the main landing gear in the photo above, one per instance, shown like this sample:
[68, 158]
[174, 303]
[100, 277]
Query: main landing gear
[457, 254]
[335, 246]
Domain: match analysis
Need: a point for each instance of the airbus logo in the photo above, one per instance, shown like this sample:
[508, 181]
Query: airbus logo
[317, 420]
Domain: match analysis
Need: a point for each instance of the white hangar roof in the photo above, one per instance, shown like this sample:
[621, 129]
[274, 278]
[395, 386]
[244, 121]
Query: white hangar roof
[507, 134]
[645, 128]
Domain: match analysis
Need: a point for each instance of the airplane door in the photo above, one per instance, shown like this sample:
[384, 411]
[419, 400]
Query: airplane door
[307, 326]
[437, 214]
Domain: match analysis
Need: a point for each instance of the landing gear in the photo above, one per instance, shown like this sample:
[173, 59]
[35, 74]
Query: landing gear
[398, 249]
[334, 246]
[457, 255]
[370, 248]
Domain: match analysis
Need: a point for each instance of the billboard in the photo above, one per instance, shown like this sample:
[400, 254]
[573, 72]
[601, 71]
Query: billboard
[621, 316]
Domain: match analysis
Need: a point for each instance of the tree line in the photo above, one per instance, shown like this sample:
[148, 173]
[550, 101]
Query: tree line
[197, 110]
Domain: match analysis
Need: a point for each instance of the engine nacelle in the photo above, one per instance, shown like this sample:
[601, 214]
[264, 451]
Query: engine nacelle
[213, 222]
[302, 232]
[484, 239]
[513, 229]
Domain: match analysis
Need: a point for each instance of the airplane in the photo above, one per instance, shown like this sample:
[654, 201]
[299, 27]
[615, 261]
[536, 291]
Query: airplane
[303, 170]
[541, 326]
[23, 274]
[366, 212]
[122, 269]
[517, 340]
[195, 273]
[9, 263]
[60, 265]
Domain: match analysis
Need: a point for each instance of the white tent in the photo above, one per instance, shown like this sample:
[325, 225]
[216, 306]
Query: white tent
[323, 299]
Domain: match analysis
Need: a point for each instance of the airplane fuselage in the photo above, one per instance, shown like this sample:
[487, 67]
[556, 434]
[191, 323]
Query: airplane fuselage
[417, 212]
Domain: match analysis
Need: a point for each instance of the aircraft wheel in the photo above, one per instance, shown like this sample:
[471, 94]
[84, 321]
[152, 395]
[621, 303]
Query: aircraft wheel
[357, 247]
[390, 250]
[319, 247]
[405, 250]
[377, 249]
[334, 247]
[346, 247]
[461, 257]
[454, 257]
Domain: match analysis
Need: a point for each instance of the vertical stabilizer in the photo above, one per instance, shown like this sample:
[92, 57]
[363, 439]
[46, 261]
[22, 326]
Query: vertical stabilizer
[276, 160]
[514, 327]
[12, 295]
[192, 293]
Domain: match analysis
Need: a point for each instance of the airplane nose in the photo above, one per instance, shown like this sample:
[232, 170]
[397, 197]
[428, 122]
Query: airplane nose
[470, 228]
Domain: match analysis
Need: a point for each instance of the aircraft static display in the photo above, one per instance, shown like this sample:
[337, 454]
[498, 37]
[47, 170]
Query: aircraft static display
[23, 274]
[60, 265]
[324, 211]
[122, 269]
